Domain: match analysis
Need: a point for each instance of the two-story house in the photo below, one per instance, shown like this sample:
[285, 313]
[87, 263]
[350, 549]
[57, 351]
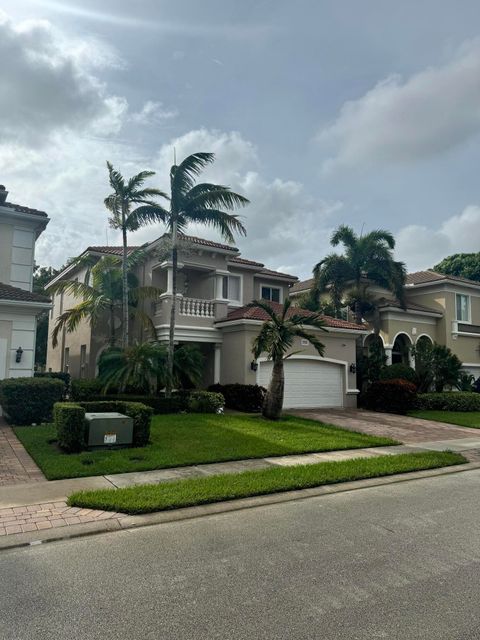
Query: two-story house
[439, 308]
[19, 228]
[214, 286]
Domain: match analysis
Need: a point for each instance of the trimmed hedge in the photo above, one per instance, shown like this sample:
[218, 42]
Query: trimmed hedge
[56, 375]
[159, 404]
[70, 424]
[86, 389]
[392, 396]
[206, 402]
[242, 397]
[399, 371]
[448, 401]
[30, 400]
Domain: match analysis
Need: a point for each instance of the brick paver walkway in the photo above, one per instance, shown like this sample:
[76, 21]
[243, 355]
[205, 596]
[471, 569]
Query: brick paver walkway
[16, 466]
[402, 428]
[38, 517]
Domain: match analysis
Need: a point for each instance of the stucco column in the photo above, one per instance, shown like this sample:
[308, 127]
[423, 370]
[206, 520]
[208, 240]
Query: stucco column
[169, 280]
[217, 363]
[388, 353]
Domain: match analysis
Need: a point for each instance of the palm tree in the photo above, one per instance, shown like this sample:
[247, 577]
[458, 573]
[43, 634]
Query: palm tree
[368, 260]
[276, 337]
[203, 203]
[127, 193]
[102, 294]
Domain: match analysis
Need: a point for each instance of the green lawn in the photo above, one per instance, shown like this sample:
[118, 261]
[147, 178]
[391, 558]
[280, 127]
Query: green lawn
[195, 491]
[182, 439]
[461, 418]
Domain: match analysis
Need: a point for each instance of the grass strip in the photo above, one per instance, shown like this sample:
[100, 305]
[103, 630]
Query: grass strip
[197, 491]
[185, 439]
[459, 418]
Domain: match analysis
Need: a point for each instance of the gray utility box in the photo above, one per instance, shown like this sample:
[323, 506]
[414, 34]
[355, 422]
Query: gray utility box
[109, 429]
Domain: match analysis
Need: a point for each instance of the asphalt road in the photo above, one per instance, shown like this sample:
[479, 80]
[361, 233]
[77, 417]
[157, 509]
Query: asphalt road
[400, 561]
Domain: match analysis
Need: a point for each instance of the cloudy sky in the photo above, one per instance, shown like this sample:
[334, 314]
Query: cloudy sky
[320, 111]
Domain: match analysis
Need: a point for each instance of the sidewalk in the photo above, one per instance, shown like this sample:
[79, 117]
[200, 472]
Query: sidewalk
[37, 507]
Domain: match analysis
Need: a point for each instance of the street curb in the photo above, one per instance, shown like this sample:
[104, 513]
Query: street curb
[127, 522]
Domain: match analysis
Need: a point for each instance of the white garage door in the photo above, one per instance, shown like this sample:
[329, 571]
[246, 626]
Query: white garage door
[308, 383]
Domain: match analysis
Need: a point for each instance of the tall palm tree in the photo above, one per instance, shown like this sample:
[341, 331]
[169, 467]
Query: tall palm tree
[368, 259]
[126, 194]
[276, 337]
[202, 203]
[102, 294]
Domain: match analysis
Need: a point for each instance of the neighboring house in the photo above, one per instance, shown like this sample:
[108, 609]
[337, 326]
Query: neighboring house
[19, 228]
[214, 285]
[439, 308]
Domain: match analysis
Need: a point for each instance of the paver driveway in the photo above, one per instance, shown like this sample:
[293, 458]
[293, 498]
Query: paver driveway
[402, 428]
[16, 466]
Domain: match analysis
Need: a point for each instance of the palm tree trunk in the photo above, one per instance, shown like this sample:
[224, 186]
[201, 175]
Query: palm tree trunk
[272, 407]
[112, 326]
[173, 310]
[358, 312]
[125, 280]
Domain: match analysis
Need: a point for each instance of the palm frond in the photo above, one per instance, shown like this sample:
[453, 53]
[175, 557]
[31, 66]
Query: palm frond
[344, 235]
[319, 346]
[183, 176]
[147, 214]
[213, 197]
[137, 181]
[225, 223]
[262, 304]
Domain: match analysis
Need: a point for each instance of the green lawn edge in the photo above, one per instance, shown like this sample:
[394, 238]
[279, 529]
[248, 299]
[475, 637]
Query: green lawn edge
[197, 491]
[470, 419]
[181, 440]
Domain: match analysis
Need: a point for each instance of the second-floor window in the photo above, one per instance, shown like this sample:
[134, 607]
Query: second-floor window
[463, 307]
[273, 294]
[231, 288]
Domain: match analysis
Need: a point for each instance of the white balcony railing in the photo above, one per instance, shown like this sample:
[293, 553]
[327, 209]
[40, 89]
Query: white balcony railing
[196, 307]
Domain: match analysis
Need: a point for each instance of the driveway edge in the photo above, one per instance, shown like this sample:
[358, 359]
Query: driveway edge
[127, 522]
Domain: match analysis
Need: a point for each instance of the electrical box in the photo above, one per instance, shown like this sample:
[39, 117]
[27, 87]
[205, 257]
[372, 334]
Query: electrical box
[109, 429]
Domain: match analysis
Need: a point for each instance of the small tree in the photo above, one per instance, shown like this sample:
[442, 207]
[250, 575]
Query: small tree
[370, 364]
[276, 338]
[436, 366]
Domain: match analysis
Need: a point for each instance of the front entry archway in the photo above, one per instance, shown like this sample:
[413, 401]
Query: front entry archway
[401, 349]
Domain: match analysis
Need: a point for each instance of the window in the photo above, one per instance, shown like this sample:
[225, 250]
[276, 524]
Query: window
[83, 360]
[231, 288]
[463, 307]
[270, 293]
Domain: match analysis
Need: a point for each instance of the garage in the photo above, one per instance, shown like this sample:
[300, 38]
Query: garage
[309, 383]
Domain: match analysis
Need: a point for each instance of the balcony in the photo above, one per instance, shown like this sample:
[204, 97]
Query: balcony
[196, 307]
[194, 317]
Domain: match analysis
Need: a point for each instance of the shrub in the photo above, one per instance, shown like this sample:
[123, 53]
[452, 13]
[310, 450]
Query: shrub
[399, 371]
[393, 396]
[242, 397]
[206, 402]
[448, 401]
[141, 414]
[27, 400]
[86, 389]
[159, 404]
[69, 420]
[56, 375]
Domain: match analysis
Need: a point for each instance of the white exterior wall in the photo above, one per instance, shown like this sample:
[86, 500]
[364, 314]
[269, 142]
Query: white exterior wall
[20, 332]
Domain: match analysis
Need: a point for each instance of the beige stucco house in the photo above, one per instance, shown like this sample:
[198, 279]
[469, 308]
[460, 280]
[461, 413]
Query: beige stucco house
[19, 228]
[439, 308]
[215, 283]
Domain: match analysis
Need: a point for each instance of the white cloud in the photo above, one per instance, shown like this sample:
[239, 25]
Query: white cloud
[153, 112]
[401, 120]
[422, 247]
[286, 227]
[48, 84]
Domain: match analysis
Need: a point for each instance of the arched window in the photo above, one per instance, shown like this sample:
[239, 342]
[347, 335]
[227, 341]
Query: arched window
[401, 349]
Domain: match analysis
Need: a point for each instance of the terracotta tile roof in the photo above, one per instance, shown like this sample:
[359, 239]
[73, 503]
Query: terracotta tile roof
[269, 272]
[247, 262]
[262, 269]
[7, 292]
[113, 251]
[255, 313]
[422, 277]
[21, 209]
[413, 306]
[210, 243]
[304, 285]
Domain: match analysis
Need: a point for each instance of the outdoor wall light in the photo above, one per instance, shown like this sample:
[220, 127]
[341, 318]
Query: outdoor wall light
[353, 368]
[254, 365]
[18, 356]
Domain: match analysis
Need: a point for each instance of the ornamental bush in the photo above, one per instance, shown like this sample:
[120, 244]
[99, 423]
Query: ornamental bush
[86, 389]
[242, 397]
[206, 402]
[448, 401]
[30, 400]
[70, 425]
[399, 371]
[392, 396]
[159, 404]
